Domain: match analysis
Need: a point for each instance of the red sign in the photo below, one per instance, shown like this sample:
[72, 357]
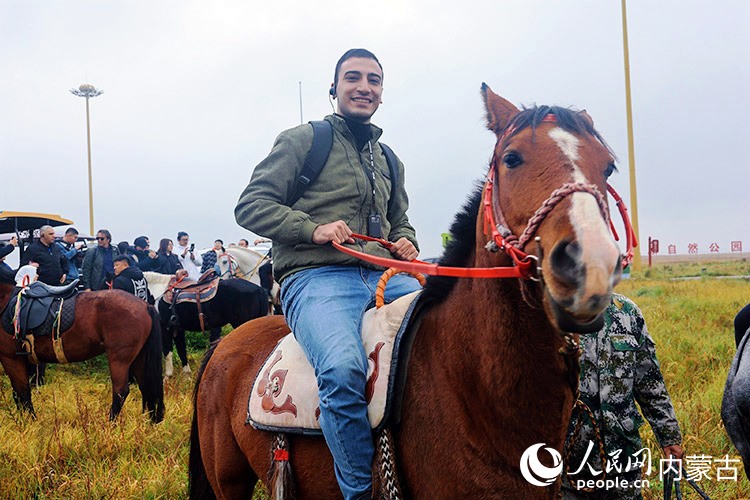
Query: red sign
[736, 246]
[714, 247]
[672, 249]
[654, 246]
[692, 248]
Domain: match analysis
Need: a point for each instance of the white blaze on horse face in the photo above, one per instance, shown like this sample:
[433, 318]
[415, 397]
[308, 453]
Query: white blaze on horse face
[599, 253]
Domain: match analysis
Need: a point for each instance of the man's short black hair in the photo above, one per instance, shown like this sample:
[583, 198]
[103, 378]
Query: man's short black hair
[120, 257]
[181, 234]
[141, 241]
[364, 53]
[71, 230]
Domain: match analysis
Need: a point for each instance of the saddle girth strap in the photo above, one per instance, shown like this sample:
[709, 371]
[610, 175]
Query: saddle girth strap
[200, 313]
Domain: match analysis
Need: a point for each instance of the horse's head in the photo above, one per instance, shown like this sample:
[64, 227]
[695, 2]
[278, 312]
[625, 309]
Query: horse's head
[548, 179]
[226, 265]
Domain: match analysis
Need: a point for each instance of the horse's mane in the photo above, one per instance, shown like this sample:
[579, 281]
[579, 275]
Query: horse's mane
[459, 249]
[463, 230]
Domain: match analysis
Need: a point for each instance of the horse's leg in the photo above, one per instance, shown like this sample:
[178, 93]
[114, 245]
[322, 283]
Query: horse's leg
[36, 374]
[166, 343]
[179, 341]
[215, 455]
[16, 369]
[214, 334]
[118, 371]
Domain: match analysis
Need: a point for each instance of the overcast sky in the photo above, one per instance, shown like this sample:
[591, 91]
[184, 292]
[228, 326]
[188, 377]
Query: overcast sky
[196, 92]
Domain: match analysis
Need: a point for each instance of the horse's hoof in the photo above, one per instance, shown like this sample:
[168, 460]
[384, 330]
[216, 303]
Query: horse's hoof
[186, 369]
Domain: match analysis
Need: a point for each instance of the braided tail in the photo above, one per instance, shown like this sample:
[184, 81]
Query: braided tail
[280, 478]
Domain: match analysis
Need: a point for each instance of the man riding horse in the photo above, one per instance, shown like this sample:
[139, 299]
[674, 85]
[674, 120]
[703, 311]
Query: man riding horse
[324, 292]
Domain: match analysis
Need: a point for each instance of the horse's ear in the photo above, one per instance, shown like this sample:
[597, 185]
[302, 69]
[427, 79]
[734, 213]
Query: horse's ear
[499, 110]
[586, 117]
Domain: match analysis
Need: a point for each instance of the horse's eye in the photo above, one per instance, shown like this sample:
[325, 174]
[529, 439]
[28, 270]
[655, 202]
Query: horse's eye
[512, 159]
[611, 168]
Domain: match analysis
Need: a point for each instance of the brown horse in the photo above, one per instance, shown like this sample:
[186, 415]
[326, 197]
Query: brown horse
[486, 377]
[112, 322]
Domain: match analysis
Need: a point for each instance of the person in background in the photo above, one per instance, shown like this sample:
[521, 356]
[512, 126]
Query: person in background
[243, 243]
[130, 279]
[618, 369]
[49, 257]
[210, 257]
[167, 262]
[124, 248]
[98, 264]
[189, 260]
[6, 250]
[70, 249]
[144, 257]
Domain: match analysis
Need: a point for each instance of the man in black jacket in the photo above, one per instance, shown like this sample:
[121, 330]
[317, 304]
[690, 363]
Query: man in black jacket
[145, 258]
[52, 263]
[130, 279]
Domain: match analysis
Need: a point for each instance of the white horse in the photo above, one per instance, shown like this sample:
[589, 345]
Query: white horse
[239, 262]
[245, 263]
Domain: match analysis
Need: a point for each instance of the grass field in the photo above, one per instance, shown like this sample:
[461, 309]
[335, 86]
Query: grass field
[72, 451]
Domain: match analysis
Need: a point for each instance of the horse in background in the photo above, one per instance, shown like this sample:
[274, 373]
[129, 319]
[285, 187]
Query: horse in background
[248, 264]
[236, 301]
[735, 405]
[112, 322]
[489, 374]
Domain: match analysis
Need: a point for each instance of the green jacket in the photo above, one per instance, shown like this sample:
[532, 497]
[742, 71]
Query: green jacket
[342, 191]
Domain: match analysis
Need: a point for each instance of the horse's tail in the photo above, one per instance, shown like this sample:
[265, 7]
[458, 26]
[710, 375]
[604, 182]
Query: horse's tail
[153, 384]
[198, 485]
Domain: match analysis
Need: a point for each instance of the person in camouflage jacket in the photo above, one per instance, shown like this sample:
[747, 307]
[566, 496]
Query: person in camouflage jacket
[618, 369]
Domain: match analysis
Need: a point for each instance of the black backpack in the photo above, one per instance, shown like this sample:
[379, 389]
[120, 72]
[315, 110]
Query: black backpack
[318, 156]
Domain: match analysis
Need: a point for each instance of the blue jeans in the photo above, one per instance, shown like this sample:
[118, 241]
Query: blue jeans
[324, 307]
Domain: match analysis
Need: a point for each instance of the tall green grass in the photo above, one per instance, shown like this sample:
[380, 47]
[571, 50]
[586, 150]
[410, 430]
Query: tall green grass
[72, 451]
[692, 325]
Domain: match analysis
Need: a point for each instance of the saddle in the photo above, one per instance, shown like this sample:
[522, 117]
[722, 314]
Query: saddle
[284, 397]
[39, 310]
[182, 289]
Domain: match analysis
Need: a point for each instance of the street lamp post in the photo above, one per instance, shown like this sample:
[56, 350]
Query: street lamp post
[88, 91]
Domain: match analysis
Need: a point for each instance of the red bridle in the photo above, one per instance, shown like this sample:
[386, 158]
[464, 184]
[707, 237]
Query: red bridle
[501, 238]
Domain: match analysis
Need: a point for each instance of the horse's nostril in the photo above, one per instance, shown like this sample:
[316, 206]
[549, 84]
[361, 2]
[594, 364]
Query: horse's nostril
[566, 262]
[598, 302]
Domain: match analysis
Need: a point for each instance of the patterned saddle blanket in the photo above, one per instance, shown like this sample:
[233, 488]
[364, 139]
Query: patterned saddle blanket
[284, 397]
[40, 309]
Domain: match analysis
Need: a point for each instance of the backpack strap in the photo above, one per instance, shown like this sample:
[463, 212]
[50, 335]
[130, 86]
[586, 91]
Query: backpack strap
[318, 156]
[390, 159]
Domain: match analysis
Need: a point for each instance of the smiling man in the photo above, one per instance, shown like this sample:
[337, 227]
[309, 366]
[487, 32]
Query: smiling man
[358, 188]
